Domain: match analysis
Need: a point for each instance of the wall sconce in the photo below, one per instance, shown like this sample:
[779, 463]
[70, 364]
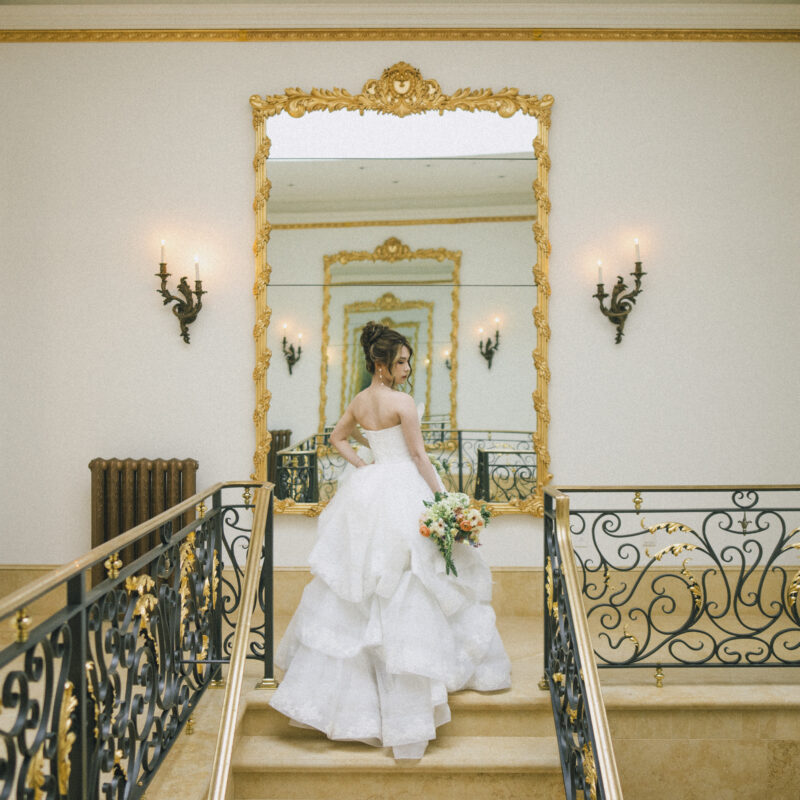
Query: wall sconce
[489, 348]
[447, 362]
[185, 308]
[621, 303]
[292, 356]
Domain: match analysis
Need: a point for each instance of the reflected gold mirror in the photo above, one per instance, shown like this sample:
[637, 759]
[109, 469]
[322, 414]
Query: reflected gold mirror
[426, 211]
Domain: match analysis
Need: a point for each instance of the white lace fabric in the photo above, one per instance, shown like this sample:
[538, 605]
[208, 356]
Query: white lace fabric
[382, 634]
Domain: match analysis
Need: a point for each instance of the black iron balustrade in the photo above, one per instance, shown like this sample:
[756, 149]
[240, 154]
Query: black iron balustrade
[94, 696]
[309, 471]
[504, 474]
[584, 742]
[690, 576]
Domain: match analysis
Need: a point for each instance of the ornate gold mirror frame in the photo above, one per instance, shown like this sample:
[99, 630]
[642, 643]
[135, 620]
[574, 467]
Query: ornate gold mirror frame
[391, 251]
[401, 90]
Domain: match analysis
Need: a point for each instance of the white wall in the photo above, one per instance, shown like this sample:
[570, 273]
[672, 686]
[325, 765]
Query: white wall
[107, 148]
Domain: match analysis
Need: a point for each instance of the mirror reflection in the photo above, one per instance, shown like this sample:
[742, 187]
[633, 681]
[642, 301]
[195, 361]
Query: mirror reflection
[424, 223]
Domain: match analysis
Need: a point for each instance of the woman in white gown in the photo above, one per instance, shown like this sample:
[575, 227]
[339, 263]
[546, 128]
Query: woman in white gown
[382, 634]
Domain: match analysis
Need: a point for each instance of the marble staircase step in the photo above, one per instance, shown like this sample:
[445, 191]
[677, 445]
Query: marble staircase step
[473, 714]
[486, 767]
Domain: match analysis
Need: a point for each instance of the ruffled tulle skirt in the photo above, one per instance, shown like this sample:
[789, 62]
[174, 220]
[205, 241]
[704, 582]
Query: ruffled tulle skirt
[382, 634]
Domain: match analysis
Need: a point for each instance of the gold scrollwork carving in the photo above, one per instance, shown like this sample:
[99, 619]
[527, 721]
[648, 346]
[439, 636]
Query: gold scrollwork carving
[589, 771]
[549, 585]
[66, 737]
[35, 777]
[669, 527]
[674, 549]
[694, 587]
[626, 634]
[146, 602]
[289, 506]
[334, 35]
[794, 589]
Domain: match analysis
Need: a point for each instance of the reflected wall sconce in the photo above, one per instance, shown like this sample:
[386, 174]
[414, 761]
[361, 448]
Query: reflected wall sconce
[622, 300]
[447, 362]
[489, 347]
[291, 354]
[187, 307]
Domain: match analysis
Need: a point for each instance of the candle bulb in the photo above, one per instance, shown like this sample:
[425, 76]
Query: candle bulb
[636, 250]
[599, 271]
[163, 255]
[197, 268]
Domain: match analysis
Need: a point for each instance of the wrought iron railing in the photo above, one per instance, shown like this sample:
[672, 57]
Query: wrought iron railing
[94, 695]
[690, 576]
[584, 741]
[495, 466]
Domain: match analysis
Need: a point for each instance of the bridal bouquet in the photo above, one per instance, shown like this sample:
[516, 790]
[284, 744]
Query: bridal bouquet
[448, 518]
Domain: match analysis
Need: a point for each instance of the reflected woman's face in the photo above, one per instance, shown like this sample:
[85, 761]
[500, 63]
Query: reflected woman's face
[401, 368]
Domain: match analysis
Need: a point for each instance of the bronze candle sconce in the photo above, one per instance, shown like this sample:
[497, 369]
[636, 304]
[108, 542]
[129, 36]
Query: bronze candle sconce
[186, 307]
[489, 347]
[291, 354]
[622, 300]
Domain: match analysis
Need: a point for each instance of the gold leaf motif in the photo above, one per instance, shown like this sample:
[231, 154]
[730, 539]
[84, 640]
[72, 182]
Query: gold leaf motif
[794, 589]
[694, 587]
[628, 635]
[589, 770]
[66, 737]
[675, 549]
[669, 527]
[549, 585]
[35, 777]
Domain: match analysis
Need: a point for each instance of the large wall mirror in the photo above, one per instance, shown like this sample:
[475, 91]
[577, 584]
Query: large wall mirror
[427, 211]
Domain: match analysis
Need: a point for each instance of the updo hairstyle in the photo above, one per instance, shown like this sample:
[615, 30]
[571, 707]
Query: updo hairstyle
[382, 344]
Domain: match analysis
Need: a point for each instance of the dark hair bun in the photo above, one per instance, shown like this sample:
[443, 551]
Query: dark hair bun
[381, 344]
[371, 333]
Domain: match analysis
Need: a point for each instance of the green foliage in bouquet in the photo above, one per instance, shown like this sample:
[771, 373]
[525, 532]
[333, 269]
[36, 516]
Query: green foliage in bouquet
[448, 518]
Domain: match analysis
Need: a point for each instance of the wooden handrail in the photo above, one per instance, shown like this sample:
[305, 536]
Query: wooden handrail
[594, 697]
[221, 767]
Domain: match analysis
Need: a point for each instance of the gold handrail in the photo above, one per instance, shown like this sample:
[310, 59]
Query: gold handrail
[594, 697]
[233, 687]
[26, 595]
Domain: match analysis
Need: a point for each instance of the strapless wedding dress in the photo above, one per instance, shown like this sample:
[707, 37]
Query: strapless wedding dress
[382, 634]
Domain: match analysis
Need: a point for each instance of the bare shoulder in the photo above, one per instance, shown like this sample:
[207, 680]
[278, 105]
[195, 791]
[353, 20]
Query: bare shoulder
[404, 403]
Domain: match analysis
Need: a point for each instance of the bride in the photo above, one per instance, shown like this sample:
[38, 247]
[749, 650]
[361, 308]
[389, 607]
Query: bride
[382, 633]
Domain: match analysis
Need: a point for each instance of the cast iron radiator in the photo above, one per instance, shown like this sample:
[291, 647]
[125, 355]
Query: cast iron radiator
[280, 441]
[127, 492]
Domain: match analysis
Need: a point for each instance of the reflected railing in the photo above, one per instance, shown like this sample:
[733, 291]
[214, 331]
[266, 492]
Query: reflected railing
[95, 692]
[496, 466]
[696, 576]
[584, 741]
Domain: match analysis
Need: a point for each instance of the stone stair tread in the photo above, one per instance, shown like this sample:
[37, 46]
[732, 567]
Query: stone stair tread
[515, 697]
[483, 754]
[702, 696]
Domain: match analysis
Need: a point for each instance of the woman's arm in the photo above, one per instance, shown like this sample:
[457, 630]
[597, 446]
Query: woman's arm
[339, 438]
[412, 433]
[359, 437]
